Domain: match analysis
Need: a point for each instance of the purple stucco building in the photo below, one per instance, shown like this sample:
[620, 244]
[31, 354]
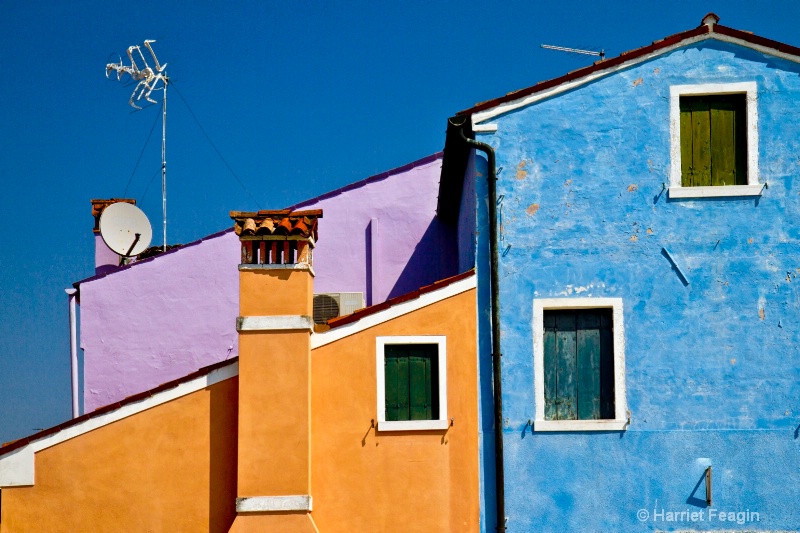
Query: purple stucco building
[167, 316]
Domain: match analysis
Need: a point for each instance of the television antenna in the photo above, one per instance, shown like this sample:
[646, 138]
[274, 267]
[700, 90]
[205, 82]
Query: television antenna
[601, 54]
[125, 229]
[148, 78]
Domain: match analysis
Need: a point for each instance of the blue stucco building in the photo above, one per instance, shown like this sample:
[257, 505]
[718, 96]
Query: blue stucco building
[648, 254]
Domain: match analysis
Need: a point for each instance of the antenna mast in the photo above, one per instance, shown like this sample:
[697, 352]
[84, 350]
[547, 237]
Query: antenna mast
[148, 78]
[601, 53]
[164, 162]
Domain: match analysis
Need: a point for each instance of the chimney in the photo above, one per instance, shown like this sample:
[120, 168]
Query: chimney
[275, 304]
[104, 258]
[710, 20]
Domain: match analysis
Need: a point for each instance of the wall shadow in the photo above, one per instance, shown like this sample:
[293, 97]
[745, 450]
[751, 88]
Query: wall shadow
[223, 451]
[693, 499]
[435, 257]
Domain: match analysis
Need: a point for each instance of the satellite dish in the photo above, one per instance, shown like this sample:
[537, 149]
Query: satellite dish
[125, 229]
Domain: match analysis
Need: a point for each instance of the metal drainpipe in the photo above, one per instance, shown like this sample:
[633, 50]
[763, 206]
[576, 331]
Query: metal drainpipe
[496, 353]
[73, 351]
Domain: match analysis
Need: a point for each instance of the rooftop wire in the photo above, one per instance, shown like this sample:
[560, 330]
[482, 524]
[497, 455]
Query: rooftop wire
[140, 158]
[172, 83]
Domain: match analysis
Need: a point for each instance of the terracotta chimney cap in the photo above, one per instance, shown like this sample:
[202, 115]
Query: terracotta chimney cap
[99, 205]
[279, 222]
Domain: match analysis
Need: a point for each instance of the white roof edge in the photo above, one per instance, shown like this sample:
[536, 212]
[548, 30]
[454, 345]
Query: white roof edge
[525, 101]
[400, 309]
[17, 467]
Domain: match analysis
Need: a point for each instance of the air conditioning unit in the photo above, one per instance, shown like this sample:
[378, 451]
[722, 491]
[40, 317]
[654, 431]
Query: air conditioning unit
[332, 304]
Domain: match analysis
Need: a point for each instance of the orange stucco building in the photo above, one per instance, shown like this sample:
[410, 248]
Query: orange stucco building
[293, 435]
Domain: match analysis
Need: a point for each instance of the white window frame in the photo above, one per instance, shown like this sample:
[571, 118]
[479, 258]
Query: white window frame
[753, 187]
[620, 421]
[411, 425]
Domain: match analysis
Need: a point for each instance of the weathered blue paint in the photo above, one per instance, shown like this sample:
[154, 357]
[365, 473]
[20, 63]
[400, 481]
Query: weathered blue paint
[473, 251]
[713, 365]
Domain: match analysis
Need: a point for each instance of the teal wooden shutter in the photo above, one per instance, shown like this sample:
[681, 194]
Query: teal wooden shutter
[411, 381]
[578, 365]
[588, 367]
[607, 392]
[566, 345]
[550, 367]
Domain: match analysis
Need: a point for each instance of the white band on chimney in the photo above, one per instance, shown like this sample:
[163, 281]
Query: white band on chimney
[302, 267]
[260, 504]
[274, 323]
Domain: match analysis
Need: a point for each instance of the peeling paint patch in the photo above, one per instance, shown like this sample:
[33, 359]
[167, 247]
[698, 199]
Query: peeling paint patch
[634, 238]
[750, 240]
[761, 313]
[649, 231]
[733, 361]
[637, 82]
[521, 172]
[532, 209]
[567, 183]
[570, 290]
[633, 187]
[655, 70]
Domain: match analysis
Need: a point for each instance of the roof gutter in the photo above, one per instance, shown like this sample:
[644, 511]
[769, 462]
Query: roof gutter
[496, 353]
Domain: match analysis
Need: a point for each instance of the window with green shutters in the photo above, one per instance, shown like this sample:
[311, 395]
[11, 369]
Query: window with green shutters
[578, 364]
[713, 140]
[411, 376]
[411, 372]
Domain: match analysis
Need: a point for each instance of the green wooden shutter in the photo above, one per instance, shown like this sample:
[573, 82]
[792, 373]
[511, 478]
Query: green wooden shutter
[701, 142]
[713, 140]
[687, 163]
[419, 385]
[396, 384]
[411, 382]
[723, 143]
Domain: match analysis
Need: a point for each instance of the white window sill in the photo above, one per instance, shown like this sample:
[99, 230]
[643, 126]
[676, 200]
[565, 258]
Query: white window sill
[716, 192]
[412, 425]
[580, 425]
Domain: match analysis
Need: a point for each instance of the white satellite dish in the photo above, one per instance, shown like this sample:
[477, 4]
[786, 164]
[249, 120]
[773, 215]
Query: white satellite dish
[125, 229]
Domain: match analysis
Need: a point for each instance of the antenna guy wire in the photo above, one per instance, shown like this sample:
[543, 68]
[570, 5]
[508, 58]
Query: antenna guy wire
[214, 146]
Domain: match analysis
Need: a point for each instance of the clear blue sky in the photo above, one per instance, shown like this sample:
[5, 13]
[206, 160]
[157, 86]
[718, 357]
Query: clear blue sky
[299, 97]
